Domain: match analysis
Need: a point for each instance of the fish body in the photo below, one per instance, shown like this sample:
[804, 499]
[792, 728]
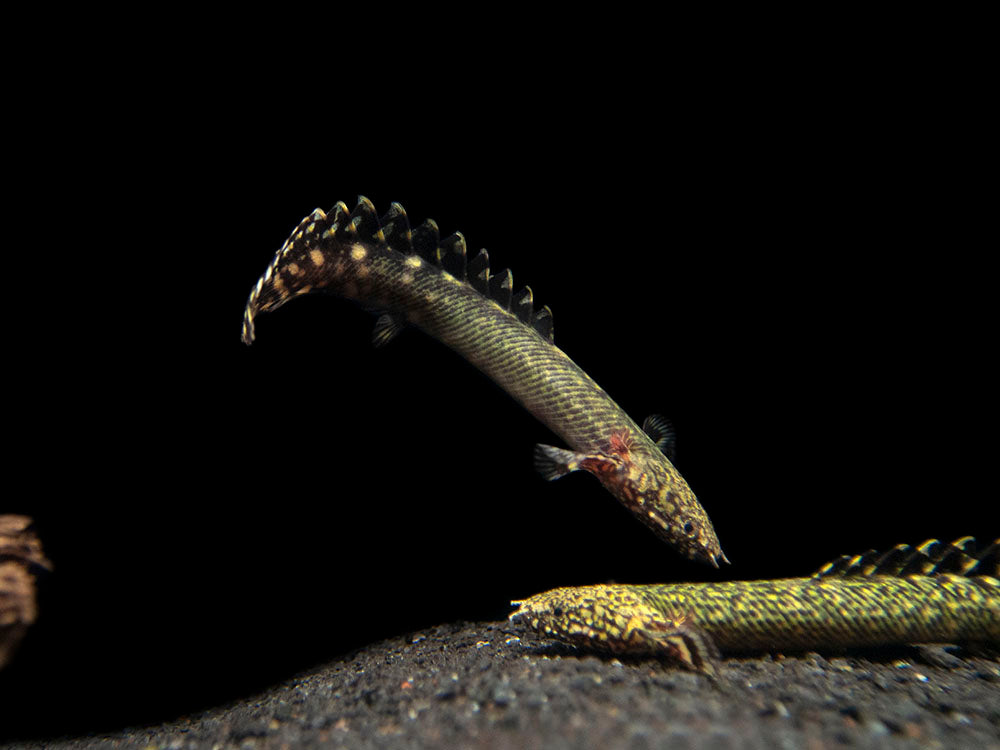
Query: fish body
[421, 280]
[933, 593]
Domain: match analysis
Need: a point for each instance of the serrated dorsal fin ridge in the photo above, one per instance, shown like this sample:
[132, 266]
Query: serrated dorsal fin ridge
[933, 557]
[451, 254]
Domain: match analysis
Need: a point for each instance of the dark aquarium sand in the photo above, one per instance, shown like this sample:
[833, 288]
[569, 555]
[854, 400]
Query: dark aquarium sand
[486, 685]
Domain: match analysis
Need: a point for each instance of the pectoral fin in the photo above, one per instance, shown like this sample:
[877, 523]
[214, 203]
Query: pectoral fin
[686, 643]
[661, 432]
[552, 462]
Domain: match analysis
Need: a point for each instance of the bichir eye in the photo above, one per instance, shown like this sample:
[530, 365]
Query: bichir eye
[688, 528]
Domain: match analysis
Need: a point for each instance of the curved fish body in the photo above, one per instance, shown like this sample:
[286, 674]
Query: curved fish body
[930, 594]
[419, 279]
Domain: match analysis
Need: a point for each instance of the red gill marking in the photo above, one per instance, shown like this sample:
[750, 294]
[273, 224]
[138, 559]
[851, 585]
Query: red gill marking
[599, 465]
[620, 443]
[615, 458]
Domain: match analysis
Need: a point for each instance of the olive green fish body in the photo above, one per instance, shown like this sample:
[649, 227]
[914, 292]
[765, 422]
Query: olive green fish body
[806, 613]
[835, 609]
[424, 281]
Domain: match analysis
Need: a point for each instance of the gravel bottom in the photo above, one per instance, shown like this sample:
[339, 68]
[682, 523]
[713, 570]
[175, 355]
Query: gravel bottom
[486, 685]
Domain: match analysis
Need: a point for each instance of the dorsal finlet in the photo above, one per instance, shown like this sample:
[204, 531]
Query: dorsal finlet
[478, 271]
[523, 305]
[501, 288]
[543, 323]
[340, 212]
[987, 562]
[450, 255]
[425, 239]
[396, 229]
[364, 223]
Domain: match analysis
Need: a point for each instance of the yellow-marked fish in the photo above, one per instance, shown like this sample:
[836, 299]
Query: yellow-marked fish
[419, 279]
[933, 593]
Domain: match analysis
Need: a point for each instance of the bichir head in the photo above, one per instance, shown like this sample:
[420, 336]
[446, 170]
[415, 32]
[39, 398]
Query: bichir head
[617, 619]
[652, 488]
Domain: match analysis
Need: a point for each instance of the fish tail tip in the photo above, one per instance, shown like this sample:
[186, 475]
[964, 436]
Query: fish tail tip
[247, 335]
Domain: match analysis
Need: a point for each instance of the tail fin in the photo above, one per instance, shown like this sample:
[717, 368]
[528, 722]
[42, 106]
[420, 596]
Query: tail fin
[293, 270]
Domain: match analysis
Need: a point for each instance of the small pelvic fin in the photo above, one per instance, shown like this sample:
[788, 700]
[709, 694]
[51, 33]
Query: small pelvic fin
[552, 462]
[688, 644]
[661, 432]
[387, 327]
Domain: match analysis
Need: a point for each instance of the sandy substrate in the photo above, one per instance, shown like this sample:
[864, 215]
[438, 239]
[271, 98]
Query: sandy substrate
[487, 685]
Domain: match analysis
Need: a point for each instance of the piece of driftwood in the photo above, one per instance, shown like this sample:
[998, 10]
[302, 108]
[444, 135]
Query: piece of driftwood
[21, 559]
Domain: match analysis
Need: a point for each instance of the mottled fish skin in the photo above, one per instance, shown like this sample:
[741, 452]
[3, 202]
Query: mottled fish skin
[842, 606]
[381, 263]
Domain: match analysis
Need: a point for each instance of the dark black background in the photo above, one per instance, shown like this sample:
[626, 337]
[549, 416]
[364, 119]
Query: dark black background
[781, 261]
